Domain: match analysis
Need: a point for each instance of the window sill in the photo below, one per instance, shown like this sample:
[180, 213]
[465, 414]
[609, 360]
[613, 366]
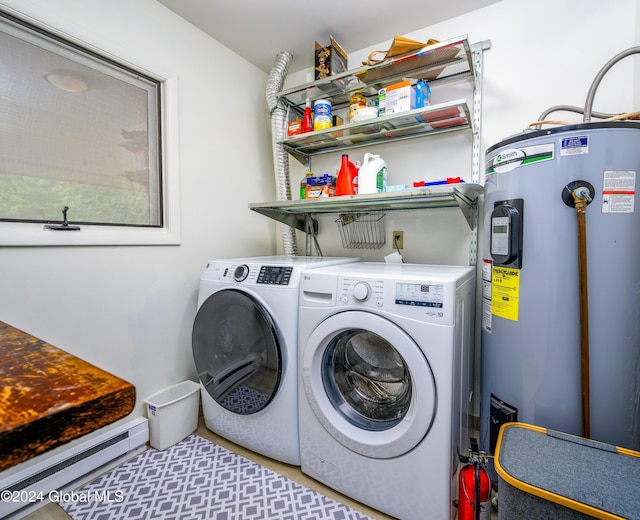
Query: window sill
[35, 235]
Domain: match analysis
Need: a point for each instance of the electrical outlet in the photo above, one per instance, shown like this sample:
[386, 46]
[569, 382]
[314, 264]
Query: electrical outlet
[397, 239]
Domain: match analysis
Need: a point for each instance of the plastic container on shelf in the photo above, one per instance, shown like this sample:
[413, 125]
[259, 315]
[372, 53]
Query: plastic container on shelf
[372, 176]
[423, 94]
[173, 414]
[347, 177]
[356, 102]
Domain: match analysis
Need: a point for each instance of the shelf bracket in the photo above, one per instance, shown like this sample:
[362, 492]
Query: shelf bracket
[467, 207]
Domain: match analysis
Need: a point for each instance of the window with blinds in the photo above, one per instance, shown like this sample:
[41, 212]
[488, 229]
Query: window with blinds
[79, 135]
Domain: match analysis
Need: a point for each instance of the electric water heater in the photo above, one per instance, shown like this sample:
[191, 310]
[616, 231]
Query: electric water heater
[534, 272]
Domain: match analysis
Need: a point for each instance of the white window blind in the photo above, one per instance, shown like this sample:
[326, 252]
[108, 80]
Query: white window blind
[77, 130]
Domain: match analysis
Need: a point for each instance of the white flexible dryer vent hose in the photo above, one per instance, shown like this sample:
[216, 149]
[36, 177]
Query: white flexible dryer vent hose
[280, 156]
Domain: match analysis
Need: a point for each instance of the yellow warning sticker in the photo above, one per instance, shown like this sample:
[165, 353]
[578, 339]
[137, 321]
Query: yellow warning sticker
[505, 292]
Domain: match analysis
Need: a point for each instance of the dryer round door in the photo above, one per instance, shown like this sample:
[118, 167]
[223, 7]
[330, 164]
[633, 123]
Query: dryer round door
[236, 351]
[369, 384]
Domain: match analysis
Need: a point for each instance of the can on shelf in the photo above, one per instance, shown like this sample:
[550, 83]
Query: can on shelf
[322, 114]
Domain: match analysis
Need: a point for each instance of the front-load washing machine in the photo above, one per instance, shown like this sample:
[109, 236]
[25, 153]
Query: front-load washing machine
[245, 350]
[386, 381]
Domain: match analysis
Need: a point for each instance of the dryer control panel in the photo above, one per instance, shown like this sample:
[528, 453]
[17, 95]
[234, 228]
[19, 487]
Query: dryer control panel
[251, 274]
[274, 275]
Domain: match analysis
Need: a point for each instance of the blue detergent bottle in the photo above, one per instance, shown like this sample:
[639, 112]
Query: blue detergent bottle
[423, 94]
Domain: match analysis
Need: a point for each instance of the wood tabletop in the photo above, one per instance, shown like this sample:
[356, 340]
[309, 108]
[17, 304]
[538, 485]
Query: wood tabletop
[49, 397]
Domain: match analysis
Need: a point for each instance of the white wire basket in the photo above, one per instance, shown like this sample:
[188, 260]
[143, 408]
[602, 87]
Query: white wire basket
[362, 230]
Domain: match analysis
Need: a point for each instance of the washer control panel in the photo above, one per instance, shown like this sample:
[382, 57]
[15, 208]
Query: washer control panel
[420, 294]
[369, 293]
[419, 299]
[361, 291]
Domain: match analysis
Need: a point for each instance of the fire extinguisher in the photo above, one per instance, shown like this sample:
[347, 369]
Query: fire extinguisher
[474, 487]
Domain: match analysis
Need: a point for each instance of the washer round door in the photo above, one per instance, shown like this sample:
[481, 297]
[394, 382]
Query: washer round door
[369, 384]
[237, 352]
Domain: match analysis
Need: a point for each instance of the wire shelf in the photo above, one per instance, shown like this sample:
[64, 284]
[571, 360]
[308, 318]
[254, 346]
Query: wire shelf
[362, 230]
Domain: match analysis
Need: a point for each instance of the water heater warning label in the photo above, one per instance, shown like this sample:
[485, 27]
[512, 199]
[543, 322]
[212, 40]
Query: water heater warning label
[618, 191]
[505, 292]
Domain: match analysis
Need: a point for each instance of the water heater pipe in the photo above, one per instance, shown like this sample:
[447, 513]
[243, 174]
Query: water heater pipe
[594, 86]
[587, 111]
[568, 108]
[581, 198]
[280, 156]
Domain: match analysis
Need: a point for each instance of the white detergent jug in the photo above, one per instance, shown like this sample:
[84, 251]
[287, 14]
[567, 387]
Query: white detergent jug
[372, 175]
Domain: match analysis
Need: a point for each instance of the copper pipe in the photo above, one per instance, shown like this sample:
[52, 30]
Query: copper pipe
[581, 199]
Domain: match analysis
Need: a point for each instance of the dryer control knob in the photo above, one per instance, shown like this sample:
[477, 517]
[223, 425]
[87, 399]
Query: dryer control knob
[361, 291]
[241, 272]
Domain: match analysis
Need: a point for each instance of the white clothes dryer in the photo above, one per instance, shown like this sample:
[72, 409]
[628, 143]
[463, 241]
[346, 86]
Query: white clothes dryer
[245, 350]
[386, 381]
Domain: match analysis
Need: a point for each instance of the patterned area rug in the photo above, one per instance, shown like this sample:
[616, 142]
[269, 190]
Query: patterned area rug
[197, 479]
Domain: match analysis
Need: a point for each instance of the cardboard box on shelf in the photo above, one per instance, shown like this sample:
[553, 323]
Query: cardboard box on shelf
[320, 186]
[330, 59]
[396, 98]
[294, 127]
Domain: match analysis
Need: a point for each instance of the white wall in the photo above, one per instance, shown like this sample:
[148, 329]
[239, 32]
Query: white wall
[129, 310]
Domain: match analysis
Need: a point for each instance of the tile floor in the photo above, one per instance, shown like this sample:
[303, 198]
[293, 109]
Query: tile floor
[54, 512]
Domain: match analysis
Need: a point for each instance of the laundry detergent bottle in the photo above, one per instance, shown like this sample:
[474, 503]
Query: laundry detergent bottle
[347, 177]
[372, 176]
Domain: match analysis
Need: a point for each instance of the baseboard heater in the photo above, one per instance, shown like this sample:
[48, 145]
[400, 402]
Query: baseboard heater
[31, 484]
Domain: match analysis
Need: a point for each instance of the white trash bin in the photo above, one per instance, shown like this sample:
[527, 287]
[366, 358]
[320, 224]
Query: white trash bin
[173, 414]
